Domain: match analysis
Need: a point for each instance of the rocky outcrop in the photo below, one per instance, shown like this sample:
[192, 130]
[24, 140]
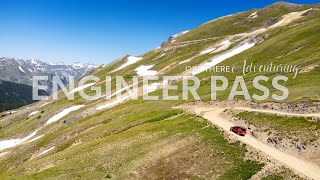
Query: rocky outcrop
[272, 21]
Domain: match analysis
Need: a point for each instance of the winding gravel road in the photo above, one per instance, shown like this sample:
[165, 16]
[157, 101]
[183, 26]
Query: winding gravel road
[298, 165]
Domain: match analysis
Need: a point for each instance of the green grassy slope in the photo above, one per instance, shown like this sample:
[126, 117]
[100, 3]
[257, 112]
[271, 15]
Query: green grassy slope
[239, 22]
[150, 139]
[118, 142]
[278, 48]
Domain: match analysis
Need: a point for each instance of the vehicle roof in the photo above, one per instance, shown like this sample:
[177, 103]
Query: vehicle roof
[241, 127]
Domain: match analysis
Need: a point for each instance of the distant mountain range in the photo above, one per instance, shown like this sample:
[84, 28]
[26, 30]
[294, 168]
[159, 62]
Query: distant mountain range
[21, 71]
[16, 78]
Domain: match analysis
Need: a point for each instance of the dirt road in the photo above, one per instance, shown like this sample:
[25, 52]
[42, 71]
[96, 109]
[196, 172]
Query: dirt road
[298, 165]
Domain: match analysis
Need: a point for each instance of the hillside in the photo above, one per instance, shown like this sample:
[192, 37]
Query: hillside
[13, 95]
[185, 139]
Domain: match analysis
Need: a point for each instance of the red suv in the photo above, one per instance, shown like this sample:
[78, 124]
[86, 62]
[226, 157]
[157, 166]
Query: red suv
[239, 130]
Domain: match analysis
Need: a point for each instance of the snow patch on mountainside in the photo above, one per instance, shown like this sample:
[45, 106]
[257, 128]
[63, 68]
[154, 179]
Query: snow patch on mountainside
[253, 15]
[145, 70]
[130, 60]
[63, 113]
[115, 102]
[33, 113]
[152, 87]
[222, 57]
[20, 68]
[46, 151]
[5, 144]
[222, 46]
[36, 138]
[185, 61]
[34, 62]
[82, 87]
[10, 112]
[162, 55]
[206, 51]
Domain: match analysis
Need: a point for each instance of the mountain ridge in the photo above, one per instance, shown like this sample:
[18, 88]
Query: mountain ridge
[22, 71]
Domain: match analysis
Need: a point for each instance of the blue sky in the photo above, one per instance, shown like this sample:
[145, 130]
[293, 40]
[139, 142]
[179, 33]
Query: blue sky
[99, 31]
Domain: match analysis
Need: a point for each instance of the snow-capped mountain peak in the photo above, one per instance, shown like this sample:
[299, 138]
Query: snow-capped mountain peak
[24, 70]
